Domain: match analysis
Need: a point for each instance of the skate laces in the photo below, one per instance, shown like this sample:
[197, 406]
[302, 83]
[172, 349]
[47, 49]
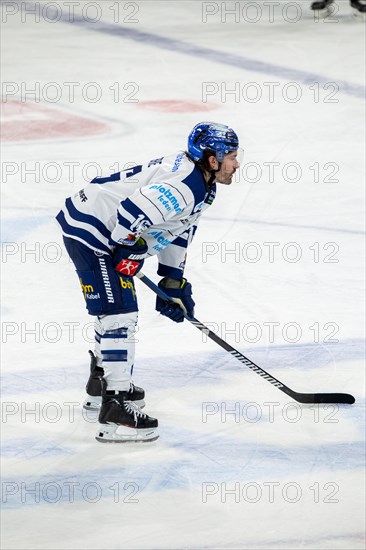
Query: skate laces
[132, 408]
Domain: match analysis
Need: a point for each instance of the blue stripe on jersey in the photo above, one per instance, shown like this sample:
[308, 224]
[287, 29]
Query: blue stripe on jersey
[167, 271]
[115, 333]
[179, 241]
[134, 210]
[124, 222]
[81, 234]
[113, 177]
[97, 336]
[87, 218]
[114, 355]
[196, 184]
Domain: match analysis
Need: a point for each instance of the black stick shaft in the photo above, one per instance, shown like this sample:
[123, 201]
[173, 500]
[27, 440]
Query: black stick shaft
[300, 397]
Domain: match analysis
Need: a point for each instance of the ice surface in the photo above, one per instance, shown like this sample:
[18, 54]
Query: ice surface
[295, 472]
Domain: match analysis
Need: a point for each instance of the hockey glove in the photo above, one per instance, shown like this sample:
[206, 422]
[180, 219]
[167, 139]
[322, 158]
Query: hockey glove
[129, 259]
[181, 293]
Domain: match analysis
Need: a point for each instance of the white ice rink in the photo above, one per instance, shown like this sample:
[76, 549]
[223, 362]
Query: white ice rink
[91, 86]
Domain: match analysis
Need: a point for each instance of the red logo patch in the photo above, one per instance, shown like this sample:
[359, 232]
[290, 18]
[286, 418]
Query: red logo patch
[127, 267]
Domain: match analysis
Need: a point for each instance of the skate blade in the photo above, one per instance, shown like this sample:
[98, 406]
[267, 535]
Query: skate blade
[111, 433]
[101, 440]
[92, 403]
[89, 405]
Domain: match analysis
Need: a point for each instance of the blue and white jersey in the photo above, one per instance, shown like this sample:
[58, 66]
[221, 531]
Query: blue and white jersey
[160, 201]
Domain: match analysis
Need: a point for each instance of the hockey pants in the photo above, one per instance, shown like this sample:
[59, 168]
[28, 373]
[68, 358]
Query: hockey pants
[111, 299]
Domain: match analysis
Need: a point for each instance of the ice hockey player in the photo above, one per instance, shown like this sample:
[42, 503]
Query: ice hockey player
[359, 6]
[110, 227]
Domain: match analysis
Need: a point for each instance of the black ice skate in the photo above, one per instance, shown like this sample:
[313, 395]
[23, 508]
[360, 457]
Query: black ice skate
[359, 7]
[94, 385]
[321, 5]
[120, 420]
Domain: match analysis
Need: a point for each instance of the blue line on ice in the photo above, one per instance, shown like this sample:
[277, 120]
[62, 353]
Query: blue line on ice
[205, 368]
[216, 56]
[206, 460]
[29, 447]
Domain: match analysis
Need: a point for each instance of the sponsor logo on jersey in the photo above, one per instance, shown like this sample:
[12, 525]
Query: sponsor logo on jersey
[127, 285]
[153, 162]
[128, 267]
[106, 281]
[88, 291]
[86, 288]
[82, 196]
[158, 235]
[178, 162]
[167, 199]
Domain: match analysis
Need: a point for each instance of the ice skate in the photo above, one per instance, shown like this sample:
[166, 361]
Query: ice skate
[323, 7]
[94, 385]
[359, 9]
[121, 420]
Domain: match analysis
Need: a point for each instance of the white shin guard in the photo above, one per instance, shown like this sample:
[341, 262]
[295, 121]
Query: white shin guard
[115, 348]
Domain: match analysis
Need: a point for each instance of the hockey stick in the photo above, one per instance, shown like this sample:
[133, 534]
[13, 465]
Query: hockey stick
[300, 397]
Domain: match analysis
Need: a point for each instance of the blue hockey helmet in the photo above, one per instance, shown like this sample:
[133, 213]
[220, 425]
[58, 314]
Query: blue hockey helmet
[212, 137]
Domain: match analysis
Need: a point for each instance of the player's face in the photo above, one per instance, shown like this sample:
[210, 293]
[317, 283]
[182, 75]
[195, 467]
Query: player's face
[229, 166]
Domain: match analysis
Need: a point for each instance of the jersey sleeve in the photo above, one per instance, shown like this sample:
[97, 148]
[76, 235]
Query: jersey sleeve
[172, 259]
[153, 204]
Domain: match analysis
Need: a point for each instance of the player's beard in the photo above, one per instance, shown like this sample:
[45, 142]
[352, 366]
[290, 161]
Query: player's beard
[226, 178]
